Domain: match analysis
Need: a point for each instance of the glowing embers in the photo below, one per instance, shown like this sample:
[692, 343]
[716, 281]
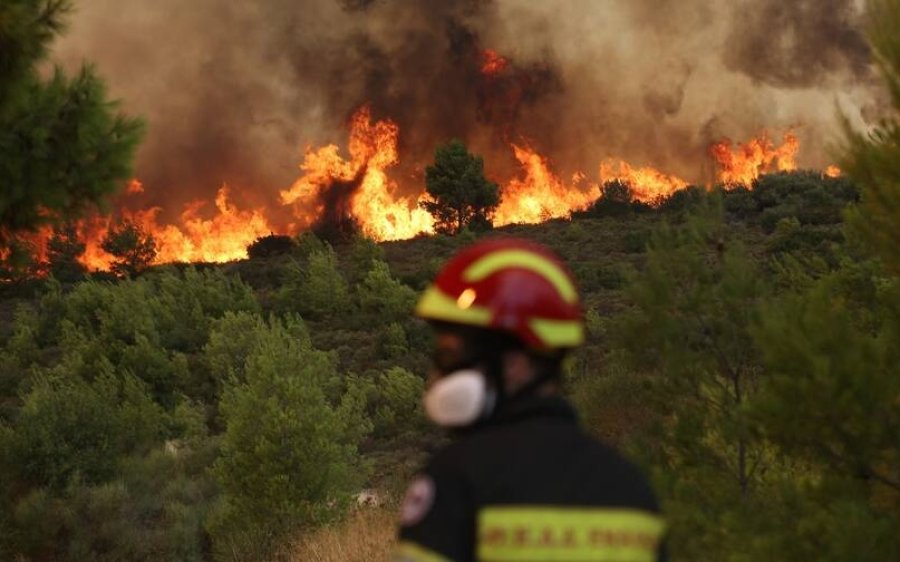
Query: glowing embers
[492, 63]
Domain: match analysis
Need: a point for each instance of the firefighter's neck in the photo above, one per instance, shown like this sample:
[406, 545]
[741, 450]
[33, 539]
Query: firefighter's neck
[520, 371]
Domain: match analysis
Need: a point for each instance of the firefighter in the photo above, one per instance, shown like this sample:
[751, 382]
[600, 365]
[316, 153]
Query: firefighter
[520, 480]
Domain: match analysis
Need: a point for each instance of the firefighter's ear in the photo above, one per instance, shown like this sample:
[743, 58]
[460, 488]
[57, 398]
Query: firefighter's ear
[518, 371]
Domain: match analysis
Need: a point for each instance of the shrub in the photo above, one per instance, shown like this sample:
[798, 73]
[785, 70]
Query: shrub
[383, 298]
[317, 291]
[271, 245]
[153, 511]
[288, 457]
[69, 427]
[392, 342]
[398, 406]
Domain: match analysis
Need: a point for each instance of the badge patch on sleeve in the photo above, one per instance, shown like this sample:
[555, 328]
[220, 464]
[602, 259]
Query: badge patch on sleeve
[418, 501]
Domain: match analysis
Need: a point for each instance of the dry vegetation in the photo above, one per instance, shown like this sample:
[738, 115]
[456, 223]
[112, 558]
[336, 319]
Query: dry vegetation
[367, 535]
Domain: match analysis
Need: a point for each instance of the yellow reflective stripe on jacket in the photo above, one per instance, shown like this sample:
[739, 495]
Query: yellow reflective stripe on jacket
[520, 533]
[407, 551]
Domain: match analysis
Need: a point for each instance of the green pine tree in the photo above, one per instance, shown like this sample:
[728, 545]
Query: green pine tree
[689, 347]
[63, 145]
[461, 196]
[832, 345]
[289, 452]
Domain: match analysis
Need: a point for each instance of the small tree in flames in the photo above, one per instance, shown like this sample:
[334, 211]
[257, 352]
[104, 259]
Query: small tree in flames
[461, 196]
[134, 249]
[63, 251]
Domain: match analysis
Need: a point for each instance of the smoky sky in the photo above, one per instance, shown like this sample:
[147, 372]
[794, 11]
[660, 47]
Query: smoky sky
[797, 44]
[233, 92]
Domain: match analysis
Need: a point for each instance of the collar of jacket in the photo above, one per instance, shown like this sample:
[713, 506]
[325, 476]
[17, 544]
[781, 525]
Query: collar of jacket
[534, 407]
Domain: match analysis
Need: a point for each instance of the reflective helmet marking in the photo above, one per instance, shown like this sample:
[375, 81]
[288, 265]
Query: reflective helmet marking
[511, 285]
[437, 305]
[525, 259]
[562, 333]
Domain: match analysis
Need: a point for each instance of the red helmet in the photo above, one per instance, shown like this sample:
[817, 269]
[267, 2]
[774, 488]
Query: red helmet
[510, 285]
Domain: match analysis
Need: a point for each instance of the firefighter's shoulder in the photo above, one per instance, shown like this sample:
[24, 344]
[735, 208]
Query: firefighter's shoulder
[632, 487]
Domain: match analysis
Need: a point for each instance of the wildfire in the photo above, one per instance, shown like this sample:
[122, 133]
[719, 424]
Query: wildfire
[135, 187]
[745, 162]
[223, 238]
[372, 199]
[358, 188]
[492, 63]
[648, 185]
[540, 195]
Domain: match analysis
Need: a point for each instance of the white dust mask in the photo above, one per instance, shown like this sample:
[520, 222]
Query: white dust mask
[458, 399]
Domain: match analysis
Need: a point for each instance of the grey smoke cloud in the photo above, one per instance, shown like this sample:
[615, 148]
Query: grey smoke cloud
[798, 44]
[234, 91]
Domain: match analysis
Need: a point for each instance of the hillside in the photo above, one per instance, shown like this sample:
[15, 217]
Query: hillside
[210, 411]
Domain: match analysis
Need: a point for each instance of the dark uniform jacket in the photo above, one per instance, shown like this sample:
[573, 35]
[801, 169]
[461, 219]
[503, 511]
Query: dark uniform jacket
[530, 486]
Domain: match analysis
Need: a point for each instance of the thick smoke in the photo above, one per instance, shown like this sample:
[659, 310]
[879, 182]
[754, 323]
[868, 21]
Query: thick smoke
[798, 44]
[234, 91]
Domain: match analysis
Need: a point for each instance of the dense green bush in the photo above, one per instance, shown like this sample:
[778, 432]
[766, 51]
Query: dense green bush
[398, 402]
[154, 510]
[683, 200]
[360, 255]
[315, 289]
[288, 457]
[69, 428]
[270, 245]
[382, 298]
[808, 196]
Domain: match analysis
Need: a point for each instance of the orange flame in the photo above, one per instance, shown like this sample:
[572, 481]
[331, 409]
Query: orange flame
[744, 163]
[135, 187]
[648, 185]
[383, 213]
[540, 195]
[223, 238]
[492, 63]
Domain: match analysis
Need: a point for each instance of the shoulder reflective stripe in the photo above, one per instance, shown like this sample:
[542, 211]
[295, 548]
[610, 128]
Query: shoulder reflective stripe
[492, 262]
[558, 333]
[411, 552]
[438, 306]
[520, 533]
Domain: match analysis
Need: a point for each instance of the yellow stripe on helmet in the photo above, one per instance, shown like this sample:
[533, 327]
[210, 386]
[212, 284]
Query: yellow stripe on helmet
[437, 305]
[558, 333]
[525, 259]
